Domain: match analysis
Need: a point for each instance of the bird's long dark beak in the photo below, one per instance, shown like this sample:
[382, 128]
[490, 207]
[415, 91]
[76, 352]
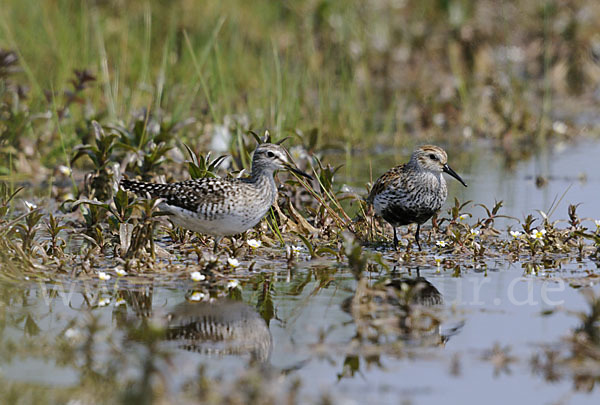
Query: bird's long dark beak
[452, 173]
[297, 171]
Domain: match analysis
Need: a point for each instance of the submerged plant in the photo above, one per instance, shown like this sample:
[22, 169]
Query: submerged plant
[6, 196]
[27, 230]
[57, 245]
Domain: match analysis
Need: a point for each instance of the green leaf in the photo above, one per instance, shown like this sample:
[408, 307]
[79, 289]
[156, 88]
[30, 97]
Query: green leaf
[308, 245]
[195, 171]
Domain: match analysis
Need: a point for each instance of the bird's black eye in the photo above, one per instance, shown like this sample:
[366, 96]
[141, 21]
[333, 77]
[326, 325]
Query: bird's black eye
[270, 154]
[433, 157]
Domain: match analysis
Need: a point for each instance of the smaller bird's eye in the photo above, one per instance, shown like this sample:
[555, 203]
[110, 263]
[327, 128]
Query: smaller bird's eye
[270, 154]
[433, 157]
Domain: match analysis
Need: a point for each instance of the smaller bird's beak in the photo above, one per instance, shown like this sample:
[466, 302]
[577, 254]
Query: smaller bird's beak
[448, 169]
[297, 171]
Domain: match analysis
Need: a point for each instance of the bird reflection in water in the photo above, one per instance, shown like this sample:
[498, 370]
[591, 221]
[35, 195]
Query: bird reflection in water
[409, 308]
[221, 328]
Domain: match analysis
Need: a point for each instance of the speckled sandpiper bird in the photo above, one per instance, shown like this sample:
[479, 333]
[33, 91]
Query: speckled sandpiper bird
[414, 191]
[222, 207]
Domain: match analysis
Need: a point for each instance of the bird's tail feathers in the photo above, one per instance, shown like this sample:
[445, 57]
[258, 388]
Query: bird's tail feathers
[142, 188]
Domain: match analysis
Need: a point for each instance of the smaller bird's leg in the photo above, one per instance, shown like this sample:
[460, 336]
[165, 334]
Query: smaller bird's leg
[395, 239]
[216, 246]
[417, 236]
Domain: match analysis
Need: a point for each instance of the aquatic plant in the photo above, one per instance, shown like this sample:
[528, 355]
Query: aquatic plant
[99, 183]
[201, 166]
[102, 95]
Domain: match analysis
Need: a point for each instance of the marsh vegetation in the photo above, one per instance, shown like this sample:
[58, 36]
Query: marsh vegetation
[103, 299]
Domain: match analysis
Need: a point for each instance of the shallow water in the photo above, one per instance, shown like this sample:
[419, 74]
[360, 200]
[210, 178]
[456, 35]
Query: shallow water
[480, 311]
[55, 337]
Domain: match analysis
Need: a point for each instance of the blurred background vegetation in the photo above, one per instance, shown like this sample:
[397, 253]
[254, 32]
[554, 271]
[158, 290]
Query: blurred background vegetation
[90, 89]
[342, 75]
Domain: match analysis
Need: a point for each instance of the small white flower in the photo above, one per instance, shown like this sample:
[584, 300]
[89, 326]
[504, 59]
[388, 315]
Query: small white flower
[29, 205]
[298, 153]
[474, 232]
[253, 243]
[462, 217]
[119, 302]
[298, 249]
[233, 262]
[438, 260]
[72, 333]
[538, 234]
[233, 284]
[197, 276]
[64, 170]
[103, 302]
[597, 222]
[441, 243]
[103, 276]
[197, 296]
[515, 234]
[560, 127]
[120, 272]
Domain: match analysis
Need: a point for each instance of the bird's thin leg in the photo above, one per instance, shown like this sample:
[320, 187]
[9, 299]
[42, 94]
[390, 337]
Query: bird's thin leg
[417, 236]
[395, 239]
[216, 246]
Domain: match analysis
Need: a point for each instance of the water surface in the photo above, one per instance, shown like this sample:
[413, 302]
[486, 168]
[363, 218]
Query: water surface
[59, 335]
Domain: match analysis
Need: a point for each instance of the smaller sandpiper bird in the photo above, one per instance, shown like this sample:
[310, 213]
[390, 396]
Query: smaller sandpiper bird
[414, 191]
[222, 207]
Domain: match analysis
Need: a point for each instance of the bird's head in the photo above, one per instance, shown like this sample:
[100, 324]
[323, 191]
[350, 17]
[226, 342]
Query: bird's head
[434, 159]
[271, 157]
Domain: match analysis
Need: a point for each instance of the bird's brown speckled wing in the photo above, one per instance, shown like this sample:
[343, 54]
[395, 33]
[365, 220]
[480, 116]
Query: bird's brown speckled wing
[384, 181]
[190, 195]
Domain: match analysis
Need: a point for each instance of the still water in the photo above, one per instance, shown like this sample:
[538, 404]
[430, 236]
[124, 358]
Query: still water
[58, 335]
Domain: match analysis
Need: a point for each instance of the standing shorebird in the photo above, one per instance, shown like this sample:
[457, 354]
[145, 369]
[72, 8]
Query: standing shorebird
[222, 207]
[414, 191]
